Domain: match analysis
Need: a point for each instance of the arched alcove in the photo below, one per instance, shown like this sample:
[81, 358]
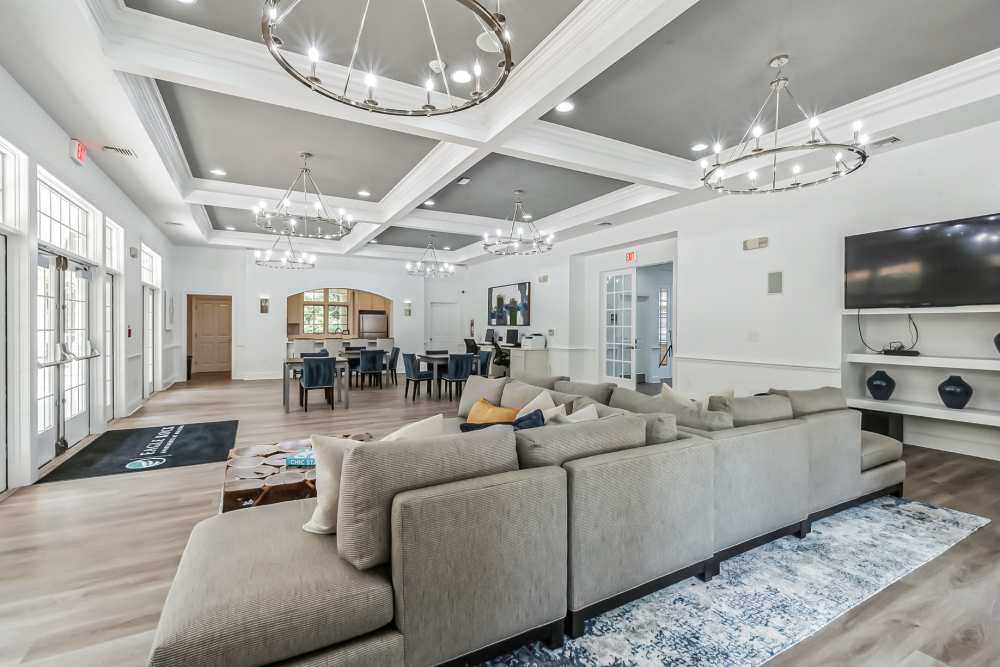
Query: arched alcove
[338, 312]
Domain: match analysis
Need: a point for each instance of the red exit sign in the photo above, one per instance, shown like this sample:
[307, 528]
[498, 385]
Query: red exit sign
[77, 151]
[630, 256]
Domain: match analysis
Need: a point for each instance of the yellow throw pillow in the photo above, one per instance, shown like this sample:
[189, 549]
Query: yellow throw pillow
[484, 412]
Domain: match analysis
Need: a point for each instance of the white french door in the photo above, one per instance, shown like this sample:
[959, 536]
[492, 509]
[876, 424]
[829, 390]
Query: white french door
[618, 340]
[3, 361]
[148, 339]
[109, 347]
[76, 342]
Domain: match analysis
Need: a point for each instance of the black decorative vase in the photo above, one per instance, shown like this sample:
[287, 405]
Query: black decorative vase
[996, 341]
[881, 386]
[955, 392]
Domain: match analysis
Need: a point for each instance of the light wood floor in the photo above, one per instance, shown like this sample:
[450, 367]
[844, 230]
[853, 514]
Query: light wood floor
[86, 564]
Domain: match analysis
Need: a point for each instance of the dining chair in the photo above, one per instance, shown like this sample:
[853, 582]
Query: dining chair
[459, 369]
[484, 363]
[471, 347]
[372, 363]
[296, 372]
[411, 369]
[318, 372]
[391, 366]
[442, 367]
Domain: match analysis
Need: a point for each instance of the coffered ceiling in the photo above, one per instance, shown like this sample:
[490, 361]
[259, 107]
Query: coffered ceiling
[703, 76]
[418, 238]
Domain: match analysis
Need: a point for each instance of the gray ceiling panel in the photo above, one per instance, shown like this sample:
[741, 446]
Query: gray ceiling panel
[396, 42]
[418, 238]
[224, 218]
[547, 189]
[258, 144]
[705, 74]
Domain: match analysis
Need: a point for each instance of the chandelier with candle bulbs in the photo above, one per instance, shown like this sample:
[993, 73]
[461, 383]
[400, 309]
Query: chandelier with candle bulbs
[305, 216]
[753, 167]
[429, 266]
[277, 257]
[522, 238]
[450, 86]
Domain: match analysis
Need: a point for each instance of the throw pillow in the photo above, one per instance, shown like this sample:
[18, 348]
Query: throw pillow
[541, 402]
[484, 412]
[673, 394]
[691, 414]
[530, 420]
[329, 454]
[552, 413]
[421, 429]
[584, 414]
[750, 410]
[599, 392]
[602, 409]
[478, 387]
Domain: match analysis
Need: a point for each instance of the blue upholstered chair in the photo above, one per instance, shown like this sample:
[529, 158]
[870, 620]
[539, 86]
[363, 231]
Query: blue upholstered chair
[296, 373]
[484, 363]
[413, 374]
[391, 364]
[319, 371]
[459, 370]
[370, 367]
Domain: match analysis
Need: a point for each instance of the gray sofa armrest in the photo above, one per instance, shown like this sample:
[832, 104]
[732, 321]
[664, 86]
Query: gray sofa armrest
[478, 561]
[740, 431]
[636, 515]
[834, 457]
[761, 480]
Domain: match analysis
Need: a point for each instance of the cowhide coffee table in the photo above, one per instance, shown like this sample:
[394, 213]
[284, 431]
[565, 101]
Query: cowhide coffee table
[257, 475]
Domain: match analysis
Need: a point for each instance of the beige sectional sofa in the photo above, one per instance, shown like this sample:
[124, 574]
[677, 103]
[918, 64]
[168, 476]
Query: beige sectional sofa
[460, 547]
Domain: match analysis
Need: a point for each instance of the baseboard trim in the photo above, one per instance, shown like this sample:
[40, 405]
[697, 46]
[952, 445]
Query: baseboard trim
[575, 620]
[552, 634]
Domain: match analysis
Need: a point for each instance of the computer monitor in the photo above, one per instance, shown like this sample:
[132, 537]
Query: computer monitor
[490, 335]
[512, 336]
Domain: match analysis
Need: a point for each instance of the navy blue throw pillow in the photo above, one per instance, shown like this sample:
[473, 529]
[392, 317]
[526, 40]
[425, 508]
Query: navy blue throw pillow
[530, 420]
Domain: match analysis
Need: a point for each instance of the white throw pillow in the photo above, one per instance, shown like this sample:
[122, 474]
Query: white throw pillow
[673, 394]
[552, 413]
[584, 414]
[330, 453]
[424, 428]
[541, 402]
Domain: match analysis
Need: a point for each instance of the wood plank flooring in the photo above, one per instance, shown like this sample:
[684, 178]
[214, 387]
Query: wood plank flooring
[86, 564]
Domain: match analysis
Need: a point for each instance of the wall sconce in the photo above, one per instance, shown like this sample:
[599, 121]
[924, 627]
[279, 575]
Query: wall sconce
[265, 305]
[407, 308]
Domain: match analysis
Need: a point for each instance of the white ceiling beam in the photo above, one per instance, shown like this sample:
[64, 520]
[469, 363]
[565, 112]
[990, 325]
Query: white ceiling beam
[226, 194]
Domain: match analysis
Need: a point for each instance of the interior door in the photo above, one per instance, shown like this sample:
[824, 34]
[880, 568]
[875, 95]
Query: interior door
[618, 342]
[50, 358]
[213, 335]
[3, 363]
[109, 347]
[445, 333]
[77, 346]
[148, 339]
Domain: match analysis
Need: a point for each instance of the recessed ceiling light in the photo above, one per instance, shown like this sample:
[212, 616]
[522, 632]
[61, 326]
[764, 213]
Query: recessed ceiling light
[230, 229]
[364, 193]
[526, 216]
[565, 106]
[461, 76]
[187, 2]
[446, 248]
[429, 202]
[465, 180]
[374, 241]
[218, 172]
[698, 147]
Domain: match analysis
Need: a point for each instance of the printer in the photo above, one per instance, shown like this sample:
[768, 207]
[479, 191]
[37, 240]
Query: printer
[535, 341]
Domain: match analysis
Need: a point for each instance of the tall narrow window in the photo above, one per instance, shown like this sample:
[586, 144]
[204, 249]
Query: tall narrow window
[151, 266]
[663, 325]
[114, 246]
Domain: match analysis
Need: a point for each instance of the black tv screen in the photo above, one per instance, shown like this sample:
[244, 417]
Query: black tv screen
[954, 263]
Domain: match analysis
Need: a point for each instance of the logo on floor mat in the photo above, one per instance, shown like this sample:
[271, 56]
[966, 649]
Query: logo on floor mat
[143, 464]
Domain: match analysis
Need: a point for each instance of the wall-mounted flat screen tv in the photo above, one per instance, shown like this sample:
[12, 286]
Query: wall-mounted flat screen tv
[954, 263]
[510, 305]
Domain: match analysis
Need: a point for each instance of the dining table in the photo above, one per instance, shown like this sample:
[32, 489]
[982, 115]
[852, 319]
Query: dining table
[435, 361]
[343, 379]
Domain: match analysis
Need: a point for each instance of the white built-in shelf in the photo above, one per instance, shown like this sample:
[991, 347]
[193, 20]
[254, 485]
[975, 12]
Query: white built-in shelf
[925, 361]
[929, 410]
[955, 310]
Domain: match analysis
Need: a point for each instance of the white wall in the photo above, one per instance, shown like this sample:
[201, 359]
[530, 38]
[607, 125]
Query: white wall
[27, 125]
[259, 339]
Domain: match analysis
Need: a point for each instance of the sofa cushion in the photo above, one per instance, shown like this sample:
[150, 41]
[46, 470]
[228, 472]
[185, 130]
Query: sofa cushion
[286, 594]
[750, 410]
[810, 401]
[878, 449]
[584, 414]
[477, 388]
[688, 413]
[541, 402]
[484, 412]
[419, 429]
[375, 472]
[661, 427]
[555, 444]
[543, 381]
[600, 393]
[329, 452]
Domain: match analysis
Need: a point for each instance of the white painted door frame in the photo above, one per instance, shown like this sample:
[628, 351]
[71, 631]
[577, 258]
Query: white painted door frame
[617, 322]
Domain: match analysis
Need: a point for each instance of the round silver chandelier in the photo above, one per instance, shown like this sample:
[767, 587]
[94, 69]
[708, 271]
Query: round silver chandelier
[429, 266]
[751, 167]
[314, 221]
[523, 237]
[360, 88]
[277, 258]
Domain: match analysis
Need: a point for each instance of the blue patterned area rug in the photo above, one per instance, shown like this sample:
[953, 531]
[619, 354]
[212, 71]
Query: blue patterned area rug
[768, 599]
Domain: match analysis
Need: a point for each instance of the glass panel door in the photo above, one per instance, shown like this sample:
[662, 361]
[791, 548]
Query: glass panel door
[618, 327]
[3, 346]
[109, 347]
[76, 342]
[148, 347]
[49, 356]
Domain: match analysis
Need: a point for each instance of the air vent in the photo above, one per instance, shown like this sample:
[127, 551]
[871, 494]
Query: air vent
[881, 143]
[122, 151]
[604, 223]
[175, 224]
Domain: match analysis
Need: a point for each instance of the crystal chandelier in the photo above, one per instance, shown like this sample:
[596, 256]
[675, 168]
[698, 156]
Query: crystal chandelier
[429, 266]
[760, 171]
[523, 238]
[315, 223]
[463, 87]
[275, 258]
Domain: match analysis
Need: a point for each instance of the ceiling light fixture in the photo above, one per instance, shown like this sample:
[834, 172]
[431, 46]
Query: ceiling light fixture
[523, 237]
[847, 157]
[565, 106]
[699, 147]
[429, 202]
[429, 266]
[490, 35]
[465, 180]
[230, 229]
[217, 172]
[364, 193]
